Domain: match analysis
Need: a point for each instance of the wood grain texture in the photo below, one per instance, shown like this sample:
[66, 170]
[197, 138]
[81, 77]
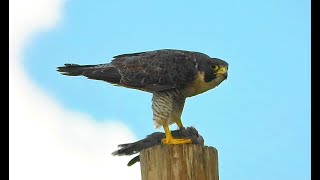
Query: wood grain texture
[179, 162]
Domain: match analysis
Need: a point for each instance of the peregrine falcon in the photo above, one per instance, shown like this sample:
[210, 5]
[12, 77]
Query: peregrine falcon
[170, 75]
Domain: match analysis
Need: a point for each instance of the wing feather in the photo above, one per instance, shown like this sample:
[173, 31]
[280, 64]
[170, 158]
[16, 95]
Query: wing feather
[157, 70]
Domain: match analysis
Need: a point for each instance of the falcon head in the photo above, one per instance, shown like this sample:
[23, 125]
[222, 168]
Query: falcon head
[213, 68]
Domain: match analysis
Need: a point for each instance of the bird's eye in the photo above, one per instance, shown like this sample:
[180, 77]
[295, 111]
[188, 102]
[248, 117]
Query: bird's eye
[214, 67]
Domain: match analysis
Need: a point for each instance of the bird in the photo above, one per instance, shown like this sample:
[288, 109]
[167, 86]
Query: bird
[155, 139]
[171, 75]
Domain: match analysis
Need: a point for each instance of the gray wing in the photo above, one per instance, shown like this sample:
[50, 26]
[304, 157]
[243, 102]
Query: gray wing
[149, 71]
[157, 70]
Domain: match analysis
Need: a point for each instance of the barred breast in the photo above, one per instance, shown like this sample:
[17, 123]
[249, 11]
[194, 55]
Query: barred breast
[167, 106]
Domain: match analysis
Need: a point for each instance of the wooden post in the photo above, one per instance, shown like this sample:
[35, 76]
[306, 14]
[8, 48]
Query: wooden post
[179, 162]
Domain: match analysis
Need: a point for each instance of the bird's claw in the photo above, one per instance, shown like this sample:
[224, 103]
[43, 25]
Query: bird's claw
[176, 141]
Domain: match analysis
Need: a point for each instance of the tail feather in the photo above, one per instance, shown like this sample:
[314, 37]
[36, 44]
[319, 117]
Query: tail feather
[105, 72]
[74, 69]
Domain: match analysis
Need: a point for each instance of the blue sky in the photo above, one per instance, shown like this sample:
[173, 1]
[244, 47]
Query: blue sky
[258, 119]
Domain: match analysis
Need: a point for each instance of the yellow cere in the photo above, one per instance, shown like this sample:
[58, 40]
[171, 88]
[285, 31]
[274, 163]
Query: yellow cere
[222, 70]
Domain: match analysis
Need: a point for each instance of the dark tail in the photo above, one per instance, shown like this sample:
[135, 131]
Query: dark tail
[105, 72]
[74, 69]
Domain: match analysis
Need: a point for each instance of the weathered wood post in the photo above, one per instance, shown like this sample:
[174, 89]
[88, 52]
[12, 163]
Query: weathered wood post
[179, 162]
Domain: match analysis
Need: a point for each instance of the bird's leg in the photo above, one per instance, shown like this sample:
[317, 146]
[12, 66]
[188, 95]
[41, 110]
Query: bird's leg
[170, 140]
[179, 123]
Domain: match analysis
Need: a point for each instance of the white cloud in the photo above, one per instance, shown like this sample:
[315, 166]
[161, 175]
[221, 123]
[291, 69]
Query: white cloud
[46, 140]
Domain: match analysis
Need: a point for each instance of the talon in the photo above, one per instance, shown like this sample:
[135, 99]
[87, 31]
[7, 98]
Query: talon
[176, 141]
[170, 140]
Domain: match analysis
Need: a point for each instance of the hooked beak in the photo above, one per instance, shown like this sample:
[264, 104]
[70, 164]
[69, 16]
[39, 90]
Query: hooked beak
[223, 71]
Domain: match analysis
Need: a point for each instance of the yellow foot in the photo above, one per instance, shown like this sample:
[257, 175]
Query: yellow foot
[176, 141]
